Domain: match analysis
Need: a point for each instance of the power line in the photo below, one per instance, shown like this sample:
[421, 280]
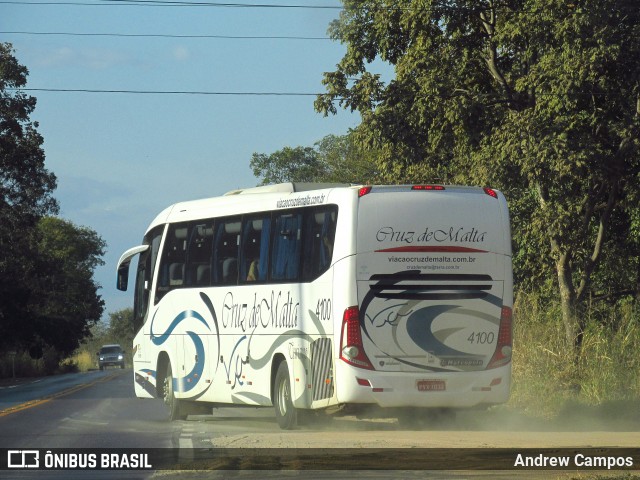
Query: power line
[176, 3]
[259, 94]
[168, 3]
[158, 35]
[168, 92]
[436, 6]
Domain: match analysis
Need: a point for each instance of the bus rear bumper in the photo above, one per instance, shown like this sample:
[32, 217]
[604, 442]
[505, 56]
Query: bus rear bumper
[428, 389]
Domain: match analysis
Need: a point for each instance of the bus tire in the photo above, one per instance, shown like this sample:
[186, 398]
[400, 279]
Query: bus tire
[173, 404]
[286, 414]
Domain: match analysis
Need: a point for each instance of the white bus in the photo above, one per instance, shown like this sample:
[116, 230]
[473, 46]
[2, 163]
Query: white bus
[304, 297]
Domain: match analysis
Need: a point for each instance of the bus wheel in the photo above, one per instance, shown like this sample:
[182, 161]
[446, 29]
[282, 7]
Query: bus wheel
[170, 400]
[286, 414]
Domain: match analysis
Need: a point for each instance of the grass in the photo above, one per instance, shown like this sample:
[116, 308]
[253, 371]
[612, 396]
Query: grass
[546, 377]
[84, 360]
[22, 365]
[620, 476]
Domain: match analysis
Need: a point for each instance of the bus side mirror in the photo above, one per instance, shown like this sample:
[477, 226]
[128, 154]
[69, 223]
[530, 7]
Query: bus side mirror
[123, 277]
[123, 266]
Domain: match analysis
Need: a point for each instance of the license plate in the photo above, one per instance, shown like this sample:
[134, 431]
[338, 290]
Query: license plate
[431, 385]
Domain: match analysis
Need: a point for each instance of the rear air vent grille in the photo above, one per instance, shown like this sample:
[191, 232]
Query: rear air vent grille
[406, 286]
[322, 373]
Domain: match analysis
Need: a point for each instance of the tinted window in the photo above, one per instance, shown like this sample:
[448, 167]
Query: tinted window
[173, 262]
[254, 263]
[287, 243]
[199, 255]
[225, 256]
[283, 246]
[319, 235]
[105, 350]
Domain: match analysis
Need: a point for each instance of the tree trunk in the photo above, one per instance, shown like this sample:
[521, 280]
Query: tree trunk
[573, 327]
[637, 296]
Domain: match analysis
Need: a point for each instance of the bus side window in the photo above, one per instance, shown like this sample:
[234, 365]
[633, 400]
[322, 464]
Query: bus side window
[254, 265]
[320, 230]
[287, 240]
[199, 255]
[178, 259]
[225, 256]
[172, 263]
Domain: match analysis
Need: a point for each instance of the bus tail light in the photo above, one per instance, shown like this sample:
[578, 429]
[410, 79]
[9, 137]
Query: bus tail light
[428, 188]
[351, 348]
[502, 355]
[363, 191]
[491, 192]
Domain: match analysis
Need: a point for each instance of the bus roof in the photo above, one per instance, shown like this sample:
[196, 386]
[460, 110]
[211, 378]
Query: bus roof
[253, 199]
[259, 198]
[290, 187]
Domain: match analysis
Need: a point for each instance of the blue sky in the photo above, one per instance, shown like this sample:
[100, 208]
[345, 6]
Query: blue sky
[122, 158]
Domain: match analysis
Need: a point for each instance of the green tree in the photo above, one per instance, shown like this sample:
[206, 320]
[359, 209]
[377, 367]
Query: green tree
[65, 301]
[334, 159]
[346, 161]
[298, 164]
[121, 327]
[540, 98]
[25, 196]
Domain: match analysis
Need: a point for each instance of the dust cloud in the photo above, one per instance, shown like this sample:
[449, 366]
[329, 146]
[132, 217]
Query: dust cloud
[611, 425]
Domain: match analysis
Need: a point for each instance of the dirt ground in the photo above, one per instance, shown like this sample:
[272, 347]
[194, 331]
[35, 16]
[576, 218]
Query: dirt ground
[471, 444]
[500, 428]
[344, 434]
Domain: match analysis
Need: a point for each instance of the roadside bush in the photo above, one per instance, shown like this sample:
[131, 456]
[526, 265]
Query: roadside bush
[25, 366]
[545, 374]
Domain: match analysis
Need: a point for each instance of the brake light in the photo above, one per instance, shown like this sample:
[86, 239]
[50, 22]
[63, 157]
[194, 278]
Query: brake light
[351, 348]
[363, 191]
[502, 355]
[491, 192]
[428, 187]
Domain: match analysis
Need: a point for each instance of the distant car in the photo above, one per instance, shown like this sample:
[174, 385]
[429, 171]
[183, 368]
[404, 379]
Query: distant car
[110, 355]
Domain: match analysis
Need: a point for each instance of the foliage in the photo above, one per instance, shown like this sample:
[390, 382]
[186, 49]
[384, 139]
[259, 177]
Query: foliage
[65, 299]
[24, 365]
[25, 195]
[121, 328]
[297, 164]
[48, 298]
[539, 98]
[25, 185]
[118, 330]
[546, 380]
[334, 159]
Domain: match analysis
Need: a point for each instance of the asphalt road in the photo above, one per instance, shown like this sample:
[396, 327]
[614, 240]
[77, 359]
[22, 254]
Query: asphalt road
[89, 410]
[98, 410]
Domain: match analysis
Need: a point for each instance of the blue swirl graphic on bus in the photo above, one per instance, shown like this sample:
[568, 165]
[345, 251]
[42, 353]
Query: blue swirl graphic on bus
[176, 321]
[189, 381]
